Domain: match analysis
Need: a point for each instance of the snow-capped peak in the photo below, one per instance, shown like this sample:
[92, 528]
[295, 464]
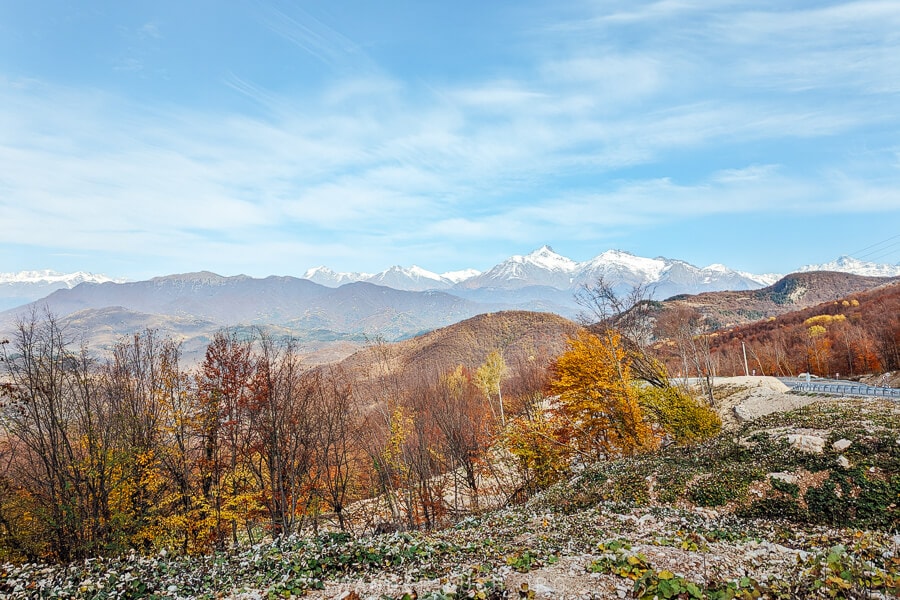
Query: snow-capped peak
[848, 264]
[459, 276]
[314, 271]
[718, 268]
[546, 258]
[330, 278]
[416, 272]
[50, 277]
[617, 260]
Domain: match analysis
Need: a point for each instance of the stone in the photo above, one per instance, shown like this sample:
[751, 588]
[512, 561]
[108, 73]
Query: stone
[648, 518]
[811, 444]
[785, 477]
[841, 445]
[843, 462]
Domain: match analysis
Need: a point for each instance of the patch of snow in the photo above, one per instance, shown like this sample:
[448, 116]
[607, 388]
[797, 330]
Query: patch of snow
[458, 276]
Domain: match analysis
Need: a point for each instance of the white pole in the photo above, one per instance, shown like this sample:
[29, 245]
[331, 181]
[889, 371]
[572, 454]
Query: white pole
[746, 369]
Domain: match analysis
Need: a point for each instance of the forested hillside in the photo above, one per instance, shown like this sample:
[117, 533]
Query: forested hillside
[850, 336]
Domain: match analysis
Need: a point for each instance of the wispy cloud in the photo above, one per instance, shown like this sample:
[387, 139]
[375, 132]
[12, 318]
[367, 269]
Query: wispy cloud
[594, 135]
[317, 38]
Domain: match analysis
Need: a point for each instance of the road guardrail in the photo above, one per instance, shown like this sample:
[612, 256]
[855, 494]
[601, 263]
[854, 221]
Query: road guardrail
[845, 389]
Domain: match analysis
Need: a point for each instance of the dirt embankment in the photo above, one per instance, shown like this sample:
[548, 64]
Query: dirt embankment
[742, 399]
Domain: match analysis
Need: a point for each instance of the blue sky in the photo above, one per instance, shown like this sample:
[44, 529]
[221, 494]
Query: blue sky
[263, 137]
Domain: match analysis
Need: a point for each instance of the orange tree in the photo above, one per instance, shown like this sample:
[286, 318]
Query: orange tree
[599, 411]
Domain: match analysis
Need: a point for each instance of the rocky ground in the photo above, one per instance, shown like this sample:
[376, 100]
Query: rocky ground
[797, 503]
[742, 399]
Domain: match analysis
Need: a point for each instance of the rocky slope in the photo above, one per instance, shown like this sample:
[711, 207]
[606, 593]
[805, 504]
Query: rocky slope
[793, 505]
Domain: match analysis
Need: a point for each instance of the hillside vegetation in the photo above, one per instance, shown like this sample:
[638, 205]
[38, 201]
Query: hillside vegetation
[525, 337]
[747, 514]
[506, 445]
[791, 293]
[851, 335]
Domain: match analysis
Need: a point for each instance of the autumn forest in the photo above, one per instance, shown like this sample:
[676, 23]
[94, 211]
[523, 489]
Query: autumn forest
[132, 450]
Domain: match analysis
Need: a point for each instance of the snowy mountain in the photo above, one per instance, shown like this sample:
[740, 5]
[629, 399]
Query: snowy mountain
[549, 277]
[543, 267]
[546, 272]
[48, 277]
[327, 277]
[460, 276]
[26, 286]
[848, 264]
[411, 279]
[664, 277]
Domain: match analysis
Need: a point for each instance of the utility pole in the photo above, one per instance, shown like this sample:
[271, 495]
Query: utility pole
[746, 369]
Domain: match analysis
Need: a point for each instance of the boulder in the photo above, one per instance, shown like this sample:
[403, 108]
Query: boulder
[785, 477]
[842, 444]
[811, 444]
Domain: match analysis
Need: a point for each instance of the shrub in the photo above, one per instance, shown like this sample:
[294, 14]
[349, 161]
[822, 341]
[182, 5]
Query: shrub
[680, 415]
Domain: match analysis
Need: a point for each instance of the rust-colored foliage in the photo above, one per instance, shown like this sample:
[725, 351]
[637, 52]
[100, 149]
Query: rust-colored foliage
[857, 335]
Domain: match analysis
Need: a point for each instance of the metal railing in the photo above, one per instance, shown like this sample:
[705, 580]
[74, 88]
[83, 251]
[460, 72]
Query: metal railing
[845, 389]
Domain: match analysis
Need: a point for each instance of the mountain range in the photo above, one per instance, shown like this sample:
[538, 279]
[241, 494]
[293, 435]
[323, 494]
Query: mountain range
[23, 287]
[542, 269]
[546, 268]
[327, 308]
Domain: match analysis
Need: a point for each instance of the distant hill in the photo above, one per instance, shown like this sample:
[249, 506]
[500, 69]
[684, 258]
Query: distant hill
[858, 334]
[790, 293]
[521, 336]
[193, 306]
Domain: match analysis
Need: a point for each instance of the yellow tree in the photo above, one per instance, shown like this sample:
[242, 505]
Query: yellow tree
[542, 457]
[488, 378]
[817, 349]
[599, 408]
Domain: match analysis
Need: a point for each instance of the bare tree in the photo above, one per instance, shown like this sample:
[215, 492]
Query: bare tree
[61, 431]
[684, 327]
[631, 314]
[282, 434]
[336, 431]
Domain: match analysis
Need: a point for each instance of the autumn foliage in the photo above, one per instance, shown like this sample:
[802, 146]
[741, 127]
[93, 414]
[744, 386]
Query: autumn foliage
[599, 405]
[854, 336]
[602, 410]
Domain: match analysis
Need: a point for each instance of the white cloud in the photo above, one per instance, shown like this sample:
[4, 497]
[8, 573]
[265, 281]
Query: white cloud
[510, 156]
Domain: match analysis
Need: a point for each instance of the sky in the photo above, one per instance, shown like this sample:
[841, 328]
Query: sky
[146, 138]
